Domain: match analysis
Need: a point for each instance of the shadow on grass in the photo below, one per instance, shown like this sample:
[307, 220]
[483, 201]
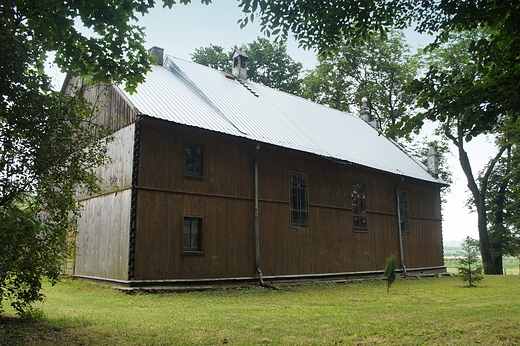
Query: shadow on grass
[15, 331]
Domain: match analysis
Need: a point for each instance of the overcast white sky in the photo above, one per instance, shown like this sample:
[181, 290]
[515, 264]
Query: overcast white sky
[186, 27]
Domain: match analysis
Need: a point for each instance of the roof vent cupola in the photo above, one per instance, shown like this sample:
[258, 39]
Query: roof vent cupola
[239, 64]
[157, 52]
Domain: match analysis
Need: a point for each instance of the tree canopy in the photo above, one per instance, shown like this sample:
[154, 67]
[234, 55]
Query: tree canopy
[48, 142]
[454, 93]
[380, 69]
[213, 56]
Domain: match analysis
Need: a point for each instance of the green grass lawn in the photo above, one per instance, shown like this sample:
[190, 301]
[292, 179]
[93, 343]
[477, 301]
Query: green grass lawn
[427, 311]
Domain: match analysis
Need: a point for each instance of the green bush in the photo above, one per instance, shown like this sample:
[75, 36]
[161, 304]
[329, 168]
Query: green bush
[390, 273]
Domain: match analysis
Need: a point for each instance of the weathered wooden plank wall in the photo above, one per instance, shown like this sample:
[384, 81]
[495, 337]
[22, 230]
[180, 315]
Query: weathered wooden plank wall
[117, 174]
[104, 223]
[103, 236]
[224, 198]
[109, 107]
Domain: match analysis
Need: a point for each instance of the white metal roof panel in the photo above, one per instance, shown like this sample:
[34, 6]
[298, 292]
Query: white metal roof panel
[191, 94]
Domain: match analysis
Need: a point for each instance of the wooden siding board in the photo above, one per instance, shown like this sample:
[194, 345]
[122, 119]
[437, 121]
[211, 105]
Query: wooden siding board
[103, 236]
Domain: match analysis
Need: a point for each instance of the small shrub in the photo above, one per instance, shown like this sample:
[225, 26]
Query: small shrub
[468, 268]
[390, 273]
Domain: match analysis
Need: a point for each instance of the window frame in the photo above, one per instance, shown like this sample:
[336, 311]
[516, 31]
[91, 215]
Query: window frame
[404, 212]
[302, 207]
[200, 235]
[358, 201]
[193, 174]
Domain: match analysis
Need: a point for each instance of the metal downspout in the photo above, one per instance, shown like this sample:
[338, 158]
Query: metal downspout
[401, 254]
[257, 224]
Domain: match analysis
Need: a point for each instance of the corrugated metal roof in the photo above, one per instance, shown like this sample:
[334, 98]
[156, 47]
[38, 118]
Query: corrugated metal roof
[191, 94]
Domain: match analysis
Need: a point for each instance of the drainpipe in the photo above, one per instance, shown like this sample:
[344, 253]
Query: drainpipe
[257, 224]
[401, 255]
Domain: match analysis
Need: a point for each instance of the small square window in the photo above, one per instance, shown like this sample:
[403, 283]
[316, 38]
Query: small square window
[194, 160]
[192, 234]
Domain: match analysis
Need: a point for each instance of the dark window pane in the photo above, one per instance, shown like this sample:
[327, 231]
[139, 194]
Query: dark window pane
[194, 159]
[303, 218]
[191, 238]
[303, 202]
[197, 166]
[195, 226]
[362, 210]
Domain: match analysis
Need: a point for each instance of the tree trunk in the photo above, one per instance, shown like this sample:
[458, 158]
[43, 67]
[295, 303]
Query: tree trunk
[485, 250]
[497, 241]
[480, 202]
[497, 265]
[479, 194]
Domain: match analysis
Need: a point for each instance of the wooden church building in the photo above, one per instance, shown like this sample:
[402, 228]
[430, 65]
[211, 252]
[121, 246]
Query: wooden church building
[217, 179]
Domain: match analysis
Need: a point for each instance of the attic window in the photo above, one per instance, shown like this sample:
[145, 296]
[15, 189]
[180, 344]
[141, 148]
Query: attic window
[359, 210]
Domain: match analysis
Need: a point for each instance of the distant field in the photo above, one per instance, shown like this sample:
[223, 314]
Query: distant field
[426, 311]
[510, 265]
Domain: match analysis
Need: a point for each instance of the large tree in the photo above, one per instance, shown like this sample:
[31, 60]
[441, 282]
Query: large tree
[269, 63]
[48, 143]
[380, 68]
[454, 93]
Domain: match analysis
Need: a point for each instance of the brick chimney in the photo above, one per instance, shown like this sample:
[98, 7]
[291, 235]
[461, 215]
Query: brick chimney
[157, 52]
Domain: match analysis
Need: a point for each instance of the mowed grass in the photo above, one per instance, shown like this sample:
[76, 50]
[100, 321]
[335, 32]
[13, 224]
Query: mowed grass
[426, 311]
